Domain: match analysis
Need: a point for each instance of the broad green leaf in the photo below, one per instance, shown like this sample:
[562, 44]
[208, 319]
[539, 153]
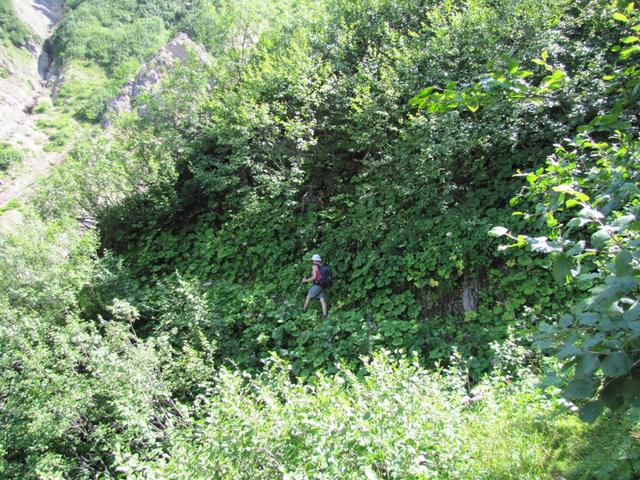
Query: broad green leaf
[565, 321]
[588, 318]
[580, 389]
[592, 341]
[600, 238]
[627, 52]
[613, 391]
[577, 249]
[542, 344]
[590, 411]
[568, 189]
[568, 350]
[590, 213]
[543, 245]
[561, 268]
[544, 327]
[586, 365]
[551, 380]
[623, 266]
[621, 17]
[616, 364]
[578, 222]
[624, 220]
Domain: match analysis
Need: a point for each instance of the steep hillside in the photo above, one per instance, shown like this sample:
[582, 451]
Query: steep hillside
[23, 85]
[469, 170]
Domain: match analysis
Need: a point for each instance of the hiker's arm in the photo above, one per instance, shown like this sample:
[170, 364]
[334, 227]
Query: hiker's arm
[312, 277]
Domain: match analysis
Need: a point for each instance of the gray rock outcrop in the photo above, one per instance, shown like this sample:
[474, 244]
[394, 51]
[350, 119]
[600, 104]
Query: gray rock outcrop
[148, 79]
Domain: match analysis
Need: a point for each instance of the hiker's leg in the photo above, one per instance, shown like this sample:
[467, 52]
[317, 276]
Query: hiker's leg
[313, 292]
[323, 302]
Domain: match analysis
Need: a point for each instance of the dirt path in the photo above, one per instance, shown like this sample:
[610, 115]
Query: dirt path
[23, 87]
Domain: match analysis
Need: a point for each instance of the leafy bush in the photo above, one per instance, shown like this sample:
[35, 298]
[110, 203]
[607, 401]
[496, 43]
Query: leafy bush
[397, 421]
[114, 32]
[288, 148]
[11, 28]
[43, 107]
[595, 175]
[9, 156]
[59, 129]
[104, 397]
[300, 137]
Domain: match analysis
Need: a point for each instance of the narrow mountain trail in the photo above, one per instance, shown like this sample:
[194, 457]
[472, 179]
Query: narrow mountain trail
[25, 86]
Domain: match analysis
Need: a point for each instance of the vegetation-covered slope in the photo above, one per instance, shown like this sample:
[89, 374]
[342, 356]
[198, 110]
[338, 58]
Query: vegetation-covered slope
[300, 137]
[304, 141]
[11, 28]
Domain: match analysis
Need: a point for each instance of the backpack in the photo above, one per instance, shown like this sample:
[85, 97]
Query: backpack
[326, 277]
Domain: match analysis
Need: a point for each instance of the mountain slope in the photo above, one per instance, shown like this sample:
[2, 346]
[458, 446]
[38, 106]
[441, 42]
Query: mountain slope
[22, 87]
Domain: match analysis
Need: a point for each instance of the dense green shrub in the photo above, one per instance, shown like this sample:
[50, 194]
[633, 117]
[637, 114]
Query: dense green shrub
[9, 156]
[397, 421]
[114, 32]
[583, 207]
[11, 28]
[147, 350]
[288, 147]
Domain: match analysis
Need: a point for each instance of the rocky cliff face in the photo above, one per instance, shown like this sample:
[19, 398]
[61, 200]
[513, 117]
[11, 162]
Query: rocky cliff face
[151, 74]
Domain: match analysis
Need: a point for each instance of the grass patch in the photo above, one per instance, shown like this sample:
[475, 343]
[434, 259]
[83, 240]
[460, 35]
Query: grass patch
[9, 156]
[43, 107]
[60, 130]
[12, 204]
[612, 450]
[84, 93]
[11, 28]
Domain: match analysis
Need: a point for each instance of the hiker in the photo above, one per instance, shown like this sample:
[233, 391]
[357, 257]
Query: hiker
[316, 290]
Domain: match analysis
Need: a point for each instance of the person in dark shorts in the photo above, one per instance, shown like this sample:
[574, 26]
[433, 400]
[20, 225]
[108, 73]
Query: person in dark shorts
[316, 291]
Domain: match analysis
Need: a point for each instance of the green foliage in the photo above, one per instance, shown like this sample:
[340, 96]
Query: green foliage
[397, 421]
[614, 452]
[43, 107]
[42, 265]
[291, 151]
[77, 397]
[112, 33]
[594, 175]
[9, 156]
[589, 197]
[301, 137]
[11, 28]
[60, 131]
[84, 92]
